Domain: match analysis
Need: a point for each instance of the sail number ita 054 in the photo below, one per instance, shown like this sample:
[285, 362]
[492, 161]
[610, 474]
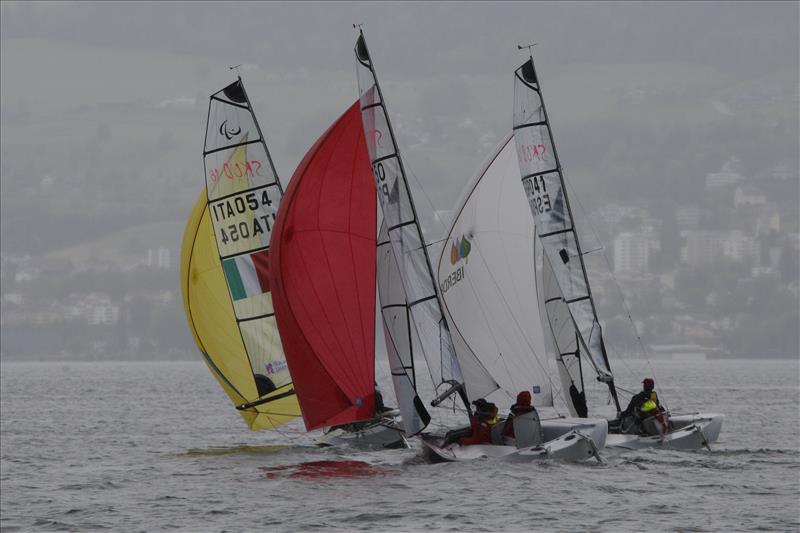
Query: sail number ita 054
[244, 216]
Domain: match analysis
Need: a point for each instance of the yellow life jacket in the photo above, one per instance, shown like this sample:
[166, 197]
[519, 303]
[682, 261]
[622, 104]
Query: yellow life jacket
[648, 406]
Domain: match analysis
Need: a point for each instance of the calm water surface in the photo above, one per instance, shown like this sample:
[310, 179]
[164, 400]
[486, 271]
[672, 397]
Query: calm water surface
[152, 446]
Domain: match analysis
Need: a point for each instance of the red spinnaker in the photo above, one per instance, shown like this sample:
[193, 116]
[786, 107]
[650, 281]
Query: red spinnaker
[323, 277]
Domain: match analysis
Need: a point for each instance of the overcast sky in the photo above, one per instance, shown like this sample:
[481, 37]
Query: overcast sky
[133, 73]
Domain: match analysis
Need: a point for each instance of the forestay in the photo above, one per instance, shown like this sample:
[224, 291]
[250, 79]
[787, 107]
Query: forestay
[544, 188]
[323, 277]
[488, 285]
[243, 194]
[404, 232]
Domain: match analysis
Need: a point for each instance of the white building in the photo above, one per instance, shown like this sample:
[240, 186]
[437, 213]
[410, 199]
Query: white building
[687, 215]
[740, 247]
[729, 175]
[702, 247]
[102, 314]
[631, 253]
[748, 196]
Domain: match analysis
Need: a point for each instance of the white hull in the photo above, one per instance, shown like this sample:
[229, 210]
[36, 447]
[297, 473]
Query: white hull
[385, 432]
[566, 439]
[691, 432]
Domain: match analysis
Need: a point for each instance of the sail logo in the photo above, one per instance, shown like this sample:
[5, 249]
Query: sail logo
[229, 133]
[530, 152]
[238, 169]
[459, 250]
[275, 367]
[377, 135]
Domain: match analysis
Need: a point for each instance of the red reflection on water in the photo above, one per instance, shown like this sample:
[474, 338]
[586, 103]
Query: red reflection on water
[326, 469]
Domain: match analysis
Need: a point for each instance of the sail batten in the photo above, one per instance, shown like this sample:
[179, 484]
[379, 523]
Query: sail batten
[545, 190]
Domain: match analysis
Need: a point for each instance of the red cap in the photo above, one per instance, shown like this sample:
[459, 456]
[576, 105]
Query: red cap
[648, 382]
[524, 398]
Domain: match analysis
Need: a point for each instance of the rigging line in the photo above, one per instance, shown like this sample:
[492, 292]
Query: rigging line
[442, 227]
[608, 263]
[616, 283]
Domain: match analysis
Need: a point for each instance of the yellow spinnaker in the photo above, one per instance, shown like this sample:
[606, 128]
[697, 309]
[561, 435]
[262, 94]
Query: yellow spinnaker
[209, 312]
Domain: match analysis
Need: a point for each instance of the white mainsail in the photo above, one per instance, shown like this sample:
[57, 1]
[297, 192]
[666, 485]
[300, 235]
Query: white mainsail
[488, 284]
[243, 198]
[401, 337]
[561, 330]
[405, 234]
[547, 196]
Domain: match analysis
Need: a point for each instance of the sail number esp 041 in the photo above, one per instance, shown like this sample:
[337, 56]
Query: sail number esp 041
[538, 197]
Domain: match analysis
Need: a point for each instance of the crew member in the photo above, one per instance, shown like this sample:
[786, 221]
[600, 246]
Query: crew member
[481, 423]
[524, 405]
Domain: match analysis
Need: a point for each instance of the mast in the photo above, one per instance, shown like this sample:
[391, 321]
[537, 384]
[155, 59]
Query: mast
[555, 223]
[405, 233]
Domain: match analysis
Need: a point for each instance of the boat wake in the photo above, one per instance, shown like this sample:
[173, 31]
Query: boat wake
[268, 449]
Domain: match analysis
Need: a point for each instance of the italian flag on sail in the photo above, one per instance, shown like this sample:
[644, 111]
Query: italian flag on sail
[247, 275]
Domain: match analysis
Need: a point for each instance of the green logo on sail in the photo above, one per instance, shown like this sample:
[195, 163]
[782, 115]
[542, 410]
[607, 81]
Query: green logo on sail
[459, 250]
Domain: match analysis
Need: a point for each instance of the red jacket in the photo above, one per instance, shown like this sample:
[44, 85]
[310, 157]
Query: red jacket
[481, 432]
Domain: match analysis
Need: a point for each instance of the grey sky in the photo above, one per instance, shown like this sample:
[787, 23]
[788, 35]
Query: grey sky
[446, 68]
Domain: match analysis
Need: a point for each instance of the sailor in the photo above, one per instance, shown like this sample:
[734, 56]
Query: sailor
[653, 419]
[379, 406]
[641, 407]
[524, 405]
[481, 423]
[647, 393]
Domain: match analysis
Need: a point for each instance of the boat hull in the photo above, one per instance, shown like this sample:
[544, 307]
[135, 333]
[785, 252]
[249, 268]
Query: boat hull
[691, 432]
[386, 432]
[566, 439]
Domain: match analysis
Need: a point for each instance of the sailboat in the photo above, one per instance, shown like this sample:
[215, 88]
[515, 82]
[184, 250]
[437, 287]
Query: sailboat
[414, 318]
[323, 280]
[228, 272]
[487, 282]
[569, 305]
[224, 265]
[410, 309]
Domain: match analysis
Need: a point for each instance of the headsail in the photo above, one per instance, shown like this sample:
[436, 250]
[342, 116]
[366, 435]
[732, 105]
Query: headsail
[547, 196]
[404, 230]
[488, 285]
[243, 194]
[323, 277]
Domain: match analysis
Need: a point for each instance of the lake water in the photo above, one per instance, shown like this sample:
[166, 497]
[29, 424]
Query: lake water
[152, 446]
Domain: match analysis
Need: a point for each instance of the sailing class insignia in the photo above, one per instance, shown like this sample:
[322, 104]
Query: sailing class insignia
[229, 133]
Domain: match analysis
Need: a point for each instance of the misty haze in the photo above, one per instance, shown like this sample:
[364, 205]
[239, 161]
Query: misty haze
[682, 152]
[571, 376]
